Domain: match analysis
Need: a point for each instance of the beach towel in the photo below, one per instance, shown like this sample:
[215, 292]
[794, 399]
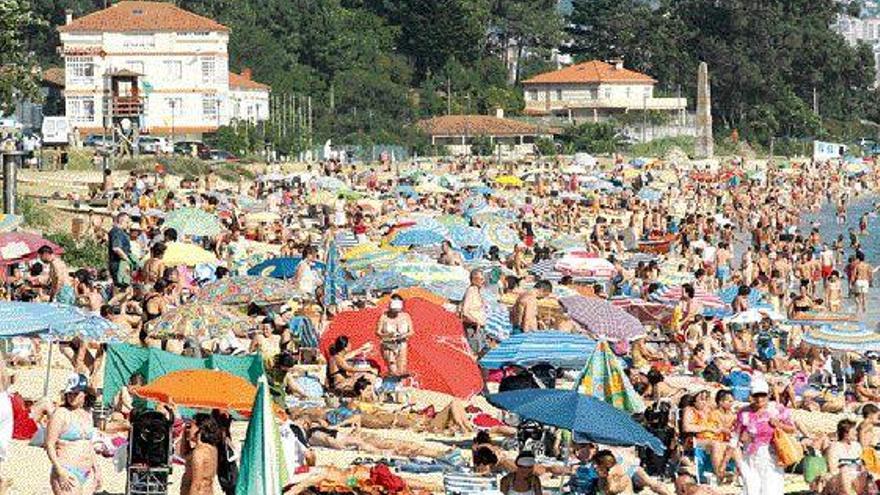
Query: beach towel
[24, 428]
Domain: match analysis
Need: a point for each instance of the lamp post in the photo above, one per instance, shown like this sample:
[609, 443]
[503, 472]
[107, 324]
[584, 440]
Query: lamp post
[173, 106]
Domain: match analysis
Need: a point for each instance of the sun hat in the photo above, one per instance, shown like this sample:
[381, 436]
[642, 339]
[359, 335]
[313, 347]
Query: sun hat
[76, 382]
[525, 459]
[760, 386]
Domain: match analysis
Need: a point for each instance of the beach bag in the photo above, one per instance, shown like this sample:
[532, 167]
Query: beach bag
[740, 384]
[813, 466]
[788, 450]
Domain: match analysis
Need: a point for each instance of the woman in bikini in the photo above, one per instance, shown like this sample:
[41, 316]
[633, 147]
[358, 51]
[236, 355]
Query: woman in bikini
[69, 443]
[342, 375]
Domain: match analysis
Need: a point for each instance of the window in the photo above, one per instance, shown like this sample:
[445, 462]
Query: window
[594, 94]
[559, 94]
[80, 70]
[208, 69]
[628, 92]
[81, 108]
[533, 95]
[209, 107]
[173, 69]
[175, 105]
[607, 93]
[138, 41]
[647, 92]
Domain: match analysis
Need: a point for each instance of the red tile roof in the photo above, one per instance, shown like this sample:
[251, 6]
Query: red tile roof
[592, 72]
[476, 125]
[244, 81]
[132, 16]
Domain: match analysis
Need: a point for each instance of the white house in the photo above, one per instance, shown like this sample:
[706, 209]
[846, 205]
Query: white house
[593, 91]
[861, 30]
[163, 68]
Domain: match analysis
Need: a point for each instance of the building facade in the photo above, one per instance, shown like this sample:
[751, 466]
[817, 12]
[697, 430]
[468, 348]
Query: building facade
[861, 30]
[594, 91]
[164, 69]
[458, 133]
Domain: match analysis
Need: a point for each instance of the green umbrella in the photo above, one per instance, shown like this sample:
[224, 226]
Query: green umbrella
[193, 221]
[263, 467]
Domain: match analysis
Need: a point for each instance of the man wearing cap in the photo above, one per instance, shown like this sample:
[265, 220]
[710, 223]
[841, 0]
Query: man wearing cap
[754, 429]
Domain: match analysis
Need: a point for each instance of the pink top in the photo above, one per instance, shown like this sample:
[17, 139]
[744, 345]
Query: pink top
[757, 424]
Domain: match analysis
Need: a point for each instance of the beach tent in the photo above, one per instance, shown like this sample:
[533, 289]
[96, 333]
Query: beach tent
[603, 377]
[124, 361]
[263, 466]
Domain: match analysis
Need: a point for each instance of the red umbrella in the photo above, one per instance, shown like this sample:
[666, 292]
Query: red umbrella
[439, 356]
[21, 246]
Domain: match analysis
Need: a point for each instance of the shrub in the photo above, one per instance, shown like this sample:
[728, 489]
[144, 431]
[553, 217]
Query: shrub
[83, 253]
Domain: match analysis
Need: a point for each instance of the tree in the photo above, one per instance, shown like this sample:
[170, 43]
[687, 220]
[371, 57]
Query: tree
[534, 27]
[17, 66]
[592, 138]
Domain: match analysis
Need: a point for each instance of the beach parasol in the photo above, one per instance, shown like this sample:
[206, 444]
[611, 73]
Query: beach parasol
[755, 315]
[246, 290]
[184, 253]
[415, 293]
[465, 236]
[591, 418]
[9, 223]
[439, 356]
[334, 284]
[431, 188]
[406, 191]
[649, 195]
[201, 321]
[375, 260]
[91, 327]
[359, 250]
[428, 271]
[603, 377]
[380, 282]
[602, 319]
[330, 183]
[200, 389]
[193, 221]
[843, 337]
[22, 246]
[417, 237]
[672, 295]
[501, 235]
[263, 459]
[27, 318]
[498, 326]
[450, 291]
[284, 267]
[509, 181]
[648, 313]
[583, 263]
[562, 350]
[450, 221]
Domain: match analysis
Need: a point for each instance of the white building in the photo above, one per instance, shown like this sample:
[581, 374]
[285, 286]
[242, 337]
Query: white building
[866, 30]
[164, 68]
[595, 90]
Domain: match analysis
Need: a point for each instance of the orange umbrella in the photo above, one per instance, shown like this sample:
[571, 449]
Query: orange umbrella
[201, 389]
[415, 292]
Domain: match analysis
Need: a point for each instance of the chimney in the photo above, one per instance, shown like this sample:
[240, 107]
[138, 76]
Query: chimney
[617, 63]
[68, 17]
[246, 73]
[499, 112]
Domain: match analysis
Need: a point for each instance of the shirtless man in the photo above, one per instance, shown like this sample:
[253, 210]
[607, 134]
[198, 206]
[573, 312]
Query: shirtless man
[524, 313]
[200, 452]
[862, 274]
[60, 284]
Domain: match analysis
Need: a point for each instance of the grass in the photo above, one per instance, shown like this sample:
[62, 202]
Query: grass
[186, 167]
[659, 147]
[85, 252]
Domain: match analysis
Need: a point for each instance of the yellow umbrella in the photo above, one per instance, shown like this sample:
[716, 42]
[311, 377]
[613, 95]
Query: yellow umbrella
[183, 253]
[509, 180]
[630, 173]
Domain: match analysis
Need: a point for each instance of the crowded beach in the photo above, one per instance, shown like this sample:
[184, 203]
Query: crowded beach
[453, 326]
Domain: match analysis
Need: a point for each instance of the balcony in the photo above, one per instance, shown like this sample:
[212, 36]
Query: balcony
[127, 106]
[635, 104]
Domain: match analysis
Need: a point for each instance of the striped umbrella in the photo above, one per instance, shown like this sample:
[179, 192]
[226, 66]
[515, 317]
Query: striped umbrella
[648, 313]
[246, 290]
[501, 235]
[334, 285]
[562, 350]
[193, 221]
[380, 282]
[672, 295]
[602, 319]
[451, 290]
[417, 237]
[450, 221]
[376, 260]
[603, 377]
[498, 325]
[843, 337]
[264, 463]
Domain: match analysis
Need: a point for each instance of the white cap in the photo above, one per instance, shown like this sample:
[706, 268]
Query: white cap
[760, 386]
[397, 305]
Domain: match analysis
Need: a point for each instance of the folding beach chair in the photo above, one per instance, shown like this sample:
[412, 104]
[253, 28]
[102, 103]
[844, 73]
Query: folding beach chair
[469, 484]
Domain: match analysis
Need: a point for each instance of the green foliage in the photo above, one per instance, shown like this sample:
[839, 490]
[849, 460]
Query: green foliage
[17, 78]
[34, 214]
[545, 146]
[186, 167]
[482, 146]
[659, 147]
[86, 252]
[592, 138]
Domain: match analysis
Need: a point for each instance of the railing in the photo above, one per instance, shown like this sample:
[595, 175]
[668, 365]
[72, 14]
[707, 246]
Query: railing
[623, 103]
[127, 106]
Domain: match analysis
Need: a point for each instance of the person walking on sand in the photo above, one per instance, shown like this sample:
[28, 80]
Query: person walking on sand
[862, 274]
[199, 450]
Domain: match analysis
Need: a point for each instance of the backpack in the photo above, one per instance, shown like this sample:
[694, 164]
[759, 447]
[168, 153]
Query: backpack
[740, 384]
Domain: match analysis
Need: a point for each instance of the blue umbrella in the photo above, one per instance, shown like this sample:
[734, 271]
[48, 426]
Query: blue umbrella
[728, 294]
[406, 191]
[562, 350]
[591, 418]
[276, 268]
[334, 285]
[482, 190]
[380, 281]
[498, 325]
[464, 236]
[417, 237]
[28, 318]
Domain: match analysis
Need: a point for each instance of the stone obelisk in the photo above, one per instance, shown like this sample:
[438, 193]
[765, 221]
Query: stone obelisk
[705, 144]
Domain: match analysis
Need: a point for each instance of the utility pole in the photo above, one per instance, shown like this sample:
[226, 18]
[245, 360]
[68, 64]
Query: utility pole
[310, 122]
[815, 101]
[448, 96]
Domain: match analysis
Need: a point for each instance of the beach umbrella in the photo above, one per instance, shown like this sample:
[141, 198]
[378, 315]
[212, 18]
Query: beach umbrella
[602, 319]
[439, 356]
[428, 271]
[498, 325]
[648, 313]
[91, 327]
[246, 290]
[473, 204]
[465, 236]
[406, 191]
[431, 188]
[451, 291]
[333, 284]
[603, 377]
[728, 294]
[450, 221]
[417, 237]
[200, 321]
[263, 465]
[580, 262]
[482, 190]
[184, 253]
[321, 197]
[346, 239]
[283, 268]
[509, 181]
[200, 389]
[754, 315]
[380, 282]
[408, 293]
[650, 195]
[22, 246]
[562, 350]
[843, 336]
[376, 260]
[193, 221]
[587, 416]
[359, 250]
[28, 318]
[501, 235]
[9, 223]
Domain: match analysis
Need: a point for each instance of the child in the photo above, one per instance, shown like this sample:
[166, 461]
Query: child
[834, 292]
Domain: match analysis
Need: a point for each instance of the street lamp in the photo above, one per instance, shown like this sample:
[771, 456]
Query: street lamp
[173, 106]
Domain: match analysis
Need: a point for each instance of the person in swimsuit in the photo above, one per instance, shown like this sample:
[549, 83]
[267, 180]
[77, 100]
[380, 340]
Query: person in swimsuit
[523, 481]
[69, 443]
[342, 375]
[200, 452]
[394, 330]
